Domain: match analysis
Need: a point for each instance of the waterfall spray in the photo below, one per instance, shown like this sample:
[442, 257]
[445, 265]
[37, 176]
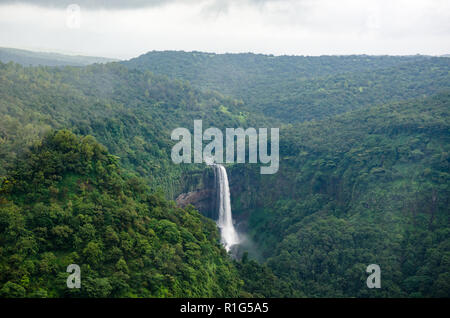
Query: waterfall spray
[229, 236]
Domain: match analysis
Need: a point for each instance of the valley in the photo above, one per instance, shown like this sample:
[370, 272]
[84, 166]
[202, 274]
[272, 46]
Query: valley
[86, 176]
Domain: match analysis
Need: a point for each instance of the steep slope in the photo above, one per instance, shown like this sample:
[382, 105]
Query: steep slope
[367, 187]
[67, 202]
[131, 112]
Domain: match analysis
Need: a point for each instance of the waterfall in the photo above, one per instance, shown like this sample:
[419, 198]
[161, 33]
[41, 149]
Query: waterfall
[229, 236]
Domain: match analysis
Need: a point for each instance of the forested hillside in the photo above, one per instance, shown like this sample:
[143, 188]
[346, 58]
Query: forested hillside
[370, 186]
[234, 73]
[66, 202]
[131, 112]
[295, 89]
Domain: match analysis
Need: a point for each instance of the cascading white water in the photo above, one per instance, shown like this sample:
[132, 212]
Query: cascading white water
[228, 233]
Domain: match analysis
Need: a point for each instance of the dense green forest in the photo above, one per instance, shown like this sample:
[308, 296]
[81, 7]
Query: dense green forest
[86, 176]
[370, 186]
[295, 88]
[131, 112]
[66, 201]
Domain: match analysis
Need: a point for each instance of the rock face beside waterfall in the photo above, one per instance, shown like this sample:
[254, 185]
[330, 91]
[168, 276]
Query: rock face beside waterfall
[204, 200]
[199, 190]
[212, 198]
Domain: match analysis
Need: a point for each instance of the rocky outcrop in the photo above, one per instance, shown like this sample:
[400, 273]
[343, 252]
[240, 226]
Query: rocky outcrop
[204, 200]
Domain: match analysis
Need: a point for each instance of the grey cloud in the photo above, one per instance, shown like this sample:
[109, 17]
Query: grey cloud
[261, 26]
[217, 7]
[92, 4]
[127, 4]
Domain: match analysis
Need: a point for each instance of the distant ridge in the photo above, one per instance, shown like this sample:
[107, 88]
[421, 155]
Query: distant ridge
[32, 58]
[301, 88]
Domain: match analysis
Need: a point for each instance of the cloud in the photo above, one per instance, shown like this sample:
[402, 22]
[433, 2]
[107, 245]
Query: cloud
[91, 4]
[132, 4]
[299, 27]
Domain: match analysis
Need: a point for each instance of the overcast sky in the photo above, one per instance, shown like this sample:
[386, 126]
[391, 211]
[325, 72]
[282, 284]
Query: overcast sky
[125, 29]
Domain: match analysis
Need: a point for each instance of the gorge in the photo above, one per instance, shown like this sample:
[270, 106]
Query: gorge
[86, 177]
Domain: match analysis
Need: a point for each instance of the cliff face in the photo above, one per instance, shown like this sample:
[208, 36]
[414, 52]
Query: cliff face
[200, 191]
[204, 200]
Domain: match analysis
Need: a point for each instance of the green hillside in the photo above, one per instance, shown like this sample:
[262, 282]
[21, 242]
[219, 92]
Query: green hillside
[131, 112]
[370, 186]
[294, 88]
[67, 202]
[27, 58]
